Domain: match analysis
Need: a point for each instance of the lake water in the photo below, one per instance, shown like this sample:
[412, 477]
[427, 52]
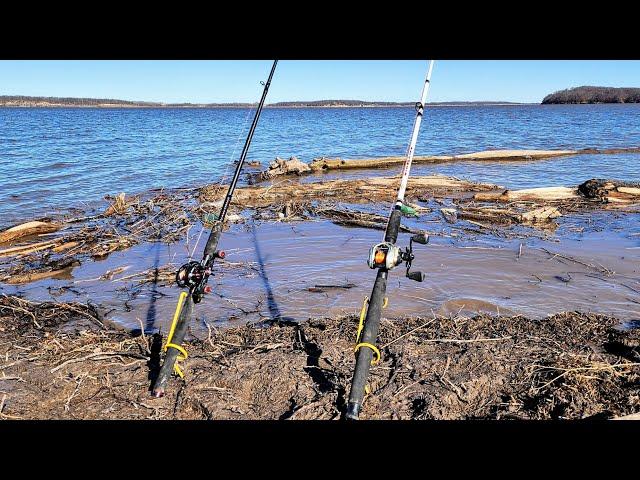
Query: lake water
[62, 157]
[56, 158]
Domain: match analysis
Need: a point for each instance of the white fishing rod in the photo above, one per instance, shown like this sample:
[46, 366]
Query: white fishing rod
[414, 135]
[384, 256]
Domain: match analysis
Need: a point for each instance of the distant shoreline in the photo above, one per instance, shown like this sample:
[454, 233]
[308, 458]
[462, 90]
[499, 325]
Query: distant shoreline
[58, 102]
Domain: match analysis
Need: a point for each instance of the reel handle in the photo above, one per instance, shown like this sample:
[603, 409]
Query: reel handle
[420, 238]
[416, 276]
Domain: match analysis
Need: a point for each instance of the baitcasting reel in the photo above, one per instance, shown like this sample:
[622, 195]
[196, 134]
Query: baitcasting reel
[190, 274]
[387, 255]
[194, 275]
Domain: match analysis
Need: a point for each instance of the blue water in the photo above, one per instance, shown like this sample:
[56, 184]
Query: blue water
[55, 158]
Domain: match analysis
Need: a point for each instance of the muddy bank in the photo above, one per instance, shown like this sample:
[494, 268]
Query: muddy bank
[62, 361]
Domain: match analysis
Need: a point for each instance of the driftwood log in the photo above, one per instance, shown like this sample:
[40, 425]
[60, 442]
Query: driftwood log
[542, 194]
[27, 229]
[364, 190]
[279, 167]
[502, 216]
[323, 164]
[56, 269]
[360, 219]
[607, 191]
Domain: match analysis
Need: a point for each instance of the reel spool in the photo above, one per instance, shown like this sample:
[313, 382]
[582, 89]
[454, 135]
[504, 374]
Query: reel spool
[384, 255]
[194, 275]
[190, 274]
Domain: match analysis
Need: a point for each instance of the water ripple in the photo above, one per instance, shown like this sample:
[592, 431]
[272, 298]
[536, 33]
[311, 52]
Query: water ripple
[62, 157]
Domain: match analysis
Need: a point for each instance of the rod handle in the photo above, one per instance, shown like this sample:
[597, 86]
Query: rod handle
[391, 233]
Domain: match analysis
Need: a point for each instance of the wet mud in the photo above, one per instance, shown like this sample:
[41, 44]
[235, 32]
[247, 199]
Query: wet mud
[63, 361]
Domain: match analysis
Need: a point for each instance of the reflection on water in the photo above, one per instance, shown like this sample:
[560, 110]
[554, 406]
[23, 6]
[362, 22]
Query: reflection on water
[153, 294]
[71, 156]
[274, 311]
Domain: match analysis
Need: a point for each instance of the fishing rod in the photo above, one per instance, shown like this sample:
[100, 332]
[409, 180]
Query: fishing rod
[195, 275]
[385, 256]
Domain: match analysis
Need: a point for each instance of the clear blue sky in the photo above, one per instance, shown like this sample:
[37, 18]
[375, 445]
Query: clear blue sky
[238, 80]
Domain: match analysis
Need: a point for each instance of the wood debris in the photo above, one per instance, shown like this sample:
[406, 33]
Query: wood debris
[279, 167]
[118, 207]
[611, 191]
[359, 219]
[28, 229]
[364, 190]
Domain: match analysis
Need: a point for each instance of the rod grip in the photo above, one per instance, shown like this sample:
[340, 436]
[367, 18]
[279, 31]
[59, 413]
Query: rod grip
[365, 354]
[171, 354]
[212, 243]
[391, 234]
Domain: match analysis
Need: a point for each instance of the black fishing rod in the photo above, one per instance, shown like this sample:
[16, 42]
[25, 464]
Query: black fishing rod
[384, 256]
[195, 275]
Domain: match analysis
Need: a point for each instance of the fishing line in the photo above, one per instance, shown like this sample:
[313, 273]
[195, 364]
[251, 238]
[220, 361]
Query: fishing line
[224, 177]
[235, 147]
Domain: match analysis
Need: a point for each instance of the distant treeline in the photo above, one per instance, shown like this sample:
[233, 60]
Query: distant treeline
[20, 100]
[25, 101]
[594, 95]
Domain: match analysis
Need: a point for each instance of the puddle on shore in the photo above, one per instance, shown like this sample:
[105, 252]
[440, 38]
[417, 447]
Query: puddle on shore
[299, 271]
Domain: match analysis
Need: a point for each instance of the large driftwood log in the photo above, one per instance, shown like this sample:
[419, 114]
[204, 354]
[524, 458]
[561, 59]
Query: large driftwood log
[363, 190]
[327, 163]
[529, 194]
[323, 164]
[604, 190]
[26, 229]
[504, 216]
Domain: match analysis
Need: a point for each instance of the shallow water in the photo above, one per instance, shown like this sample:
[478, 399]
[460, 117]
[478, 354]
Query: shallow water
[61, 157]
[465, 275]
